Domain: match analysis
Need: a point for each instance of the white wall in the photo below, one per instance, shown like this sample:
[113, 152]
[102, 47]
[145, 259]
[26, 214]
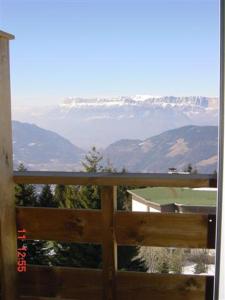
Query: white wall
[138, 206]
[152, 209]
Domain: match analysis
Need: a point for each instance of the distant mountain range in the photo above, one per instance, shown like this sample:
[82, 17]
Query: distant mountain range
[174, 148]
[41, 149]
[102, 121]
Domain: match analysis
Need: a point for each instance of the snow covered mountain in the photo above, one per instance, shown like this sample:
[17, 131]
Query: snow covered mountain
[195, 102]
[102, 121]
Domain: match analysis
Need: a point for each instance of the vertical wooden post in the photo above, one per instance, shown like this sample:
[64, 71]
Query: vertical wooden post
[109, 247]
[8, 235]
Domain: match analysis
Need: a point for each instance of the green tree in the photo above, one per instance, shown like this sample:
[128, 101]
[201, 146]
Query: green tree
[176, 260]
[164, 267]
[162, 260]
[89, 255]
[92, 160]
[129, 260]
[60, 195]
[200, 267]
[200, 257]
[37, 251]
[25, 194]
[89, 195]
[68, 196]
[72, 254]
[46, 198]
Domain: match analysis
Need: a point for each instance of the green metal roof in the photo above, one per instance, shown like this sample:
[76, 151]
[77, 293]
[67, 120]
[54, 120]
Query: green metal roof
[185, 196]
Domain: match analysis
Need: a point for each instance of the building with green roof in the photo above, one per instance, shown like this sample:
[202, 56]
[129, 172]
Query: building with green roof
[169, 199]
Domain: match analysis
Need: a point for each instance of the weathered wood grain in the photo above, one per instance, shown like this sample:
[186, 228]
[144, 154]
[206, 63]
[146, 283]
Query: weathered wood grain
[69, 225]
[6, 35]
[45, 283]
[61, 282]
[43, 298]
[113, 179]
[109, 246]
[162, 229]
[139, 286]
[8, 235]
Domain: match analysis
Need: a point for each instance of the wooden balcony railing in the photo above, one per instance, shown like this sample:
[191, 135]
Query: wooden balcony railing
[110, 228]
[107, 227]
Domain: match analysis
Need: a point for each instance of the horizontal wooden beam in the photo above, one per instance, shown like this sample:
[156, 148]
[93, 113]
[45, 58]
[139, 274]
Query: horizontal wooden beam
[61, 282]
[68, 225]
[163, 229]
[112, 179]
[139, 286]
[44, 283]
[131, 228]
[42, 298]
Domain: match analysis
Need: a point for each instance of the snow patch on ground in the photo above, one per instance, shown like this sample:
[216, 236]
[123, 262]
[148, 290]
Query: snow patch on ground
[190, 269]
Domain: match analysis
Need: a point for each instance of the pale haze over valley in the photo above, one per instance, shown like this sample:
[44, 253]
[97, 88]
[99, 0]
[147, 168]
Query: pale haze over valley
[102, 121]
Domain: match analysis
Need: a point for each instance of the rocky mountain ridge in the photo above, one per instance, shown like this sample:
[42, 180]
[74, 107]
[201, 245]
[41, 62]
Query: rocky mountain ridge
[102, 121]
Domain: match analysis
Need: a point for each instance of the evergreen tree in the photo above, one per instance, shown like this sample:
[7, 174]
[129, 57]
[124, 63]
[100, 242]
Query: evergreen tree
[129, 260]
[25, 194]
[200, 267]
[164, 267]
[92, 160]
[89, 255]
[72, 254]
[201, 262]
[60, 195]
[37, 251]
[69, 197]
[46, 198]
[74, 198]
[89, 195]
[177, 259]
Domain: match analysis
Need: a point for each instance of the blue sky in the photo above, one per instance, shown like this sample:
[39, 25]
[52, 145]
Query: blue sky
[111, 47]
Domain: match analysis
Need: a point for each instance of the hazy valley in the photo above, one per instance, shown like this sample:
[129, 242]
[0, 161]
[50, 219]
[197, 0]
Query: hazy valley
[40, 149]
[103, 121]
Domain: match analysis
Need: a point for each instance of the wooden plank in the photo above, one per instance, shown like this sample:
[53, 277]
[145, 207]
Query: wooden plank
[61, 224]
[8, 235]
[109, 247]
[61, 282]
[162, 229]
[139, 286]
[113, 179]
[42, 298]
